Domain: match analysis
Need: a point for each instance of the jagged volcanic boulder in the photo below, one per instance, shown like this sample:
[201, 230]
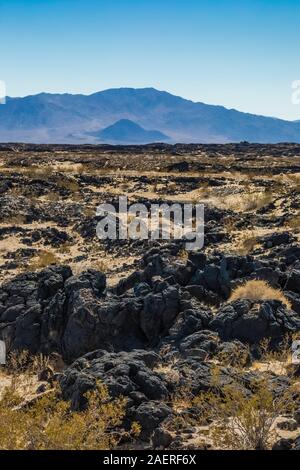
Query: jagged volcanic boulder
[23, 302]
[250, 321]
[125, 373]
[53, 310]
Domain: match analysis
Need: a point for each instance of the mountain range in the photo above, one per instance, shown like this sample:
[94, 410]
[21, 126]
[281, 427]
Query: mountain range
[129, 115]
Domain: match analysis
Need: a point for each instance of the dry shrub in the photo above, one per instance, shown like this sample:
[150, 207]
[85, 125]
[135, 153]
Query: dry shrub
[235, 357]
[169, 371]
[100, 265]
[247, 202]
[70, 185]
[294, 180]
[36, 172]
[89, 212]
[294, 223]
[17, 220]
[180, 401]
[39, 362]
[244, 421]
[65, 248]
[17, 362]
[171, 186]
[257, 201]
[229, 224]
[16, 191]
[45, 258]
[183, 255]
[53, 197]
[247, 242]
[49, 423]
[71, 167]
[259, 290]
[23, 362]
[283, 353]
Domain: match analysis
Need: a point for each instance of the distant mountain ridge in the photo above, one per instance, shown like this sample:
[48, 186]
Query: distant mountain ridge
[67, 118]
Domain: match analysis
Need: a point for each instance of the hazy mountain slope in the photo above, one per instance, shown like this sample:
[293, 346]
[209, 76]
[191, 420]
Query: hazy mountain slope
[73, 118]
[126, 131]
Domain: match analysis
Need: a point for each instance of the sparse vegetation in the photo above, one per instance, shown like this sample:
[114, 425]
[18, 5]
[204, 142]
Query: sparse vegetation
[100, 265]
[23, 362]
[158, 292]
[246, 243]
[242, 421]
[69, 184]
[229, 224]
[258, 290]
[294, 223]
[45, 258]
[247, 202]
[17, 220]
[48, 422]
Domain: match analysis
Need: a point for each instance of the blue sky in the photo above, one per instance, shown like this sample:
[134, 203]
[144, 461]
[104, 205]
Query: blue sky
[241, 54]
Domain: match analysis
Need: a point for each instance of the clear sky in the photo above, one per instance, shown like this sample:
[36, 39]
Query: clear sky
[242, 54]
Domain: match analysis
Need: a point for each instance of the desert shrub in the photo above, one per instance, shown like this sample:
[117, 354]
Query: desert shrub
[17, 362]
[70, 185]
[229, 224]
[49, 423]
[247, 242]
[45, 258]
[65, 248]
[282, 354]
[181, 402]
[39, 362]
[247, 202]
[100, 265]
[256, 289]
[294, 223]
[183, 255]
[244, 421]
[17, 220]
[89, 212]
[71, 167]
[169, 371]
[294, 181]
[13, 427]
[23, 362]
[35, 172]
[52, 196]
[96, 264]
[236, 356]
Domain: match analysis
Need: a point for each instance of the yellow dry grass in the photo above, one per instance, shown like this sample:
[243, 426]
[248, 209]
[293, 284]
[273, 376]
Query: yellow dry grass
[259, 290]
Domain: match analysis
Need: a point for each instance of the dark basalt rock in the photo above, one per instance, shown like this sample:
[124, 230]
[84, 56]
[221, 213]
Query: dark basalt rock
[50, 236]
[283, 444]
[150, 415]
[55, 311]
[23, 302]
[200, 345]
[275, 239]
[293, 281]
[125, 373]
[131, 374]
[234, 353]
[250, 321]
